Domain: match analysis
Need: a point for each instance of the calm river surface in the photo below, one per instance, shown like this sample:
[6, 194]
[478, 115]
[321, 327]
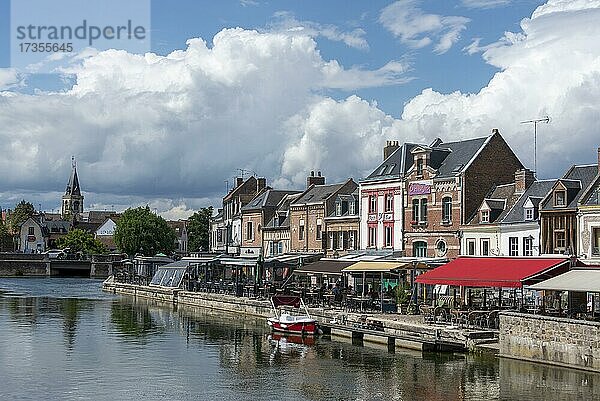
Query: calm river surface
[64, 339]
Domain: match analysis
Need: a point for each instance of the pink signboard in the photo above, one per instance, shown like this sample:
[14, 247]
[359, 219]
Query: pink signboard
[419, 189]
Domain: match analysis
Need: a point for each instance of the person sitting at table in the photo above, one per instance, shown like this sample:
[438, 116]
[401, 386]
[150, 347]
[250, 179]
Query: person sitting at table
[337, 293]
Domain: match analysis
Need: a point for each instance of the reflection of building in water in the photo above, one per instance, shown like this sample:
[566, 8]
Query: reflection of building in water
[531, 381]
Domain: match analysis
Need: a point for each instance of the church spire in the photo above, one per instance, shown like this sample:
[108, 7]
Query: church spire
[72, 200]
[73, 184]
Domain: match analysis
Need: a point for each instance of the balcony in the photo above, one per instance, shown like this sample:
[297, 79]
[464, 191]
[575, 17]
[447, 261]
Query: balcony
[415, 223]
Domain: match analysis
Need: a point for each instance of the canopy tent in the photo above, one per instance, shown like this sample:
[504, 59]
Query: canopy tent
[577, 280]
[373, 267]
[504, 272]
[325, 266]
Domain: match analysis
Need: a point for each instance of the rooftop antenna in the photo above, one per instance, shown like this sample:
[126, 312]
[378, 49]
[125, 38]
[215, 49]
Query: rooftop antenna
[226, 186]
[535, 122]
[243, 172]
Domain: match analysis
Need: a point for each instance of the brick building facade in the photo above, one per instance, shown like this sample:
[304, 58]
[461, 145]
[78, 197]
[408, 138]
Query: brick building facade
[445, 186]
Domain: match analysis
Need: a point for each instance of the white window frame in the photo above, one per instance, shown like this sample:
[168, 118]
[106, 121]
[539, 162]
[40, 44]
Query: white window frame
[513, 246]
[485, 241]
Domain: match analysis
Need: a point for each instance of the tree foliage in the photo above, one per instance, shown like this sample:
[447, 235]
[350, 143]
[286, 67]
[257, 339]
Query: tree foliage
[23, 211]
[82, 241]
[199, 229]
[7, 243]
[141, 231]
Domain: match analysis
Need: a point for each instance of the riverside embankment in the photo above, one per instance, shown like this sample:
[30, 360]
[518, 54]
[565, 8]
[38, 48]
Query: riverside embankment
[393, 330]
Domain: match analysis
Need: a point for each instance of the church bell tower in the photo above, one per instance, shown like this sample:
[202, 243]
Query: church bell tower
[72, 200]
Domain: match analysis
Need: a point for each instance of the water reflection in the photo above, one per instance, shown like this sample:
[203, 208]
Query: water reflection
[123, 348]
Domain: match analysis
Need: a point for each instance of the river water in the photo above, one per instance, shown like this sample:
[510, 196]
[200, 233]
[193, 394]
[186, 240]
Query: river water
[64, 339]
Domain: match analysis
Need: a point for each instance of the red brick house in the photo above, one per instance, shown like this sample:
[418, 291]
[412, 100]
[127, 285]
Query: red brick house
[445, 186]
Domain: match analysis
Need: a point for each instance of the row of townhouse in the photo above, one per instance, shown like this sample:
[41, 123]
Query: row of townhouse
[535, 217]
[470, 197]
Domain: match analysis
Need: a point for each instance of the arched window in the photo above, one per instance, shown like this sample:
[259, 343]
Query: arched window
[446, 210]
[420, 249]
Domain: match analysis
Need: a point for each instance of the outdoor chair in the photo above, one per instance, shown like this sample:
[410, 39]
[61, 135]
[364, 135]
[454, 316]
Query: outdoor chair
[428, 313]
[493, 319]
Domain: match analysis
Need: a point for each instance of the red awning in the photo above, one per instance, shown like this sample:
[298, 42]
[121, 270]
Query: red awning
[494, 271]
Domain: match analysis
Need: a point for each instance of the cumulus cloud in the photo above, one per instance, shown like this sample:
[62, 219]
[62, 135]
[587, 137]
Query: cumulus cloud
[168, 130]
[287, 22]
[175, 126]
[551, 67]
[8, 78]
[405, 20]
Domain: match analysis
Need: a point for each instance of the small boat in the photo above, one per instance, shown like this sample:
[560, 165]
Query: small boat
[286, 323]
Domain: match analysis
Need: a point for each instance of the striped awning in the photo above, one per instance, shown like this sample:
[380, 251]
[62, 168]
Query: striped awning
[375, 266]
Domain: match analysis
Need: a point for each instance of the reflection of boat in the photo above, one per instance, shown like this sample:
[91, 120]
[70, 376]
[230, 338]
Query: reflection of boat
[292, 338]
[286, 323]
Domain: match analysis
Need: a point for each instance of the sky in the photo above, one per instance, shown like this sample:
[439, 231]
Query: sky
[280, 88]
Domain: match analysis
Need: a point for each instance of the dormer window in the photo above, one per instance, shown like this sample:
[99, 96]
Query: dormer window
[560, 198]
[485, 216]
[338, 208]
[351, 208]
[419, 166]
[529, 214]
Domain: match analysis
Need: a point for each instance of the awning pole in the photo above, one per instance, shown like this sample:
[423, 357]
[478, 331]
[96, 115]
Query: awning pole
[381, 292]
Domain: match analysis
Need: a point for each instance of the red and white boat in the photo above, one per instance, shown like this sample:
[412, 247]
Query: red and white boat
[286, 323]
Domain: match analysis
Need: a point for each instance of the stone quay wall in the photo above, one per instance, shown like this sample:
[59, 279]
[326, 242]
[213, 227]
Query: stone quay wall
[552, 340]
[25, 265]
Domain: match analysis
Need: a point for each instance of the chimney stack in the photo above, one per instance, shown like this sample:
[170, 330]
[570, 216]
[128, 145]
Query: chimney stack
[523, 180]
[238, 181]
[261, 183]
[390, 147]
[311, 179]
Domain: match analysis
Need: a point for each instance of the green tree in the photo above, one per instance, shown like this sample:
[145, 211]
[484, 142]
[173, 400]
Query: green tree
[82, 241]
[141, 231]
[23, 211]
[7, 243]
[199, 229]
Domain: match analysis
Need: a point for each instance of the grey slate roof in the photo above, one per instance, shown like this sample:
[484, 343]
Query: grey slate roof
[282, 209]
[576, 180]
[268, 198]
[500, 200]
[592, 197]
[460, 154]
[536, 191]
[318, 193]
[73, 184]
[395, 166]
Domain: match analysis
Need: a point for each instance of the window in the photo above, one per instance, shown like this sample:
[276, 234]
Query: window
[338, 208]
[596, 241]
[352, 239]
[352, 208]
[528, 246]
[485, 216]
[331, 236]
[301, 231]
[560, 198]
[446, 209]
[319, 235]
[423, 217]
[372, 204]
[441, 248]
[513, 246]
[219, 235]
[249, 231]
[389, 203]
[31, 231]
[415, 210]
[470, 247]
[372, 236]
[560, 242]
[389, 235]
[341, 238]
[529, 214]
[419, 166]
[420, 249]
[485, 247]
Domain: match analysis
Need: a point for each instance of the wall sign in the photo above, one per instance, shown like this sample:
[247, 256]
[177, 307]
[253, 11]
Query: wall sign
[419, 189]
